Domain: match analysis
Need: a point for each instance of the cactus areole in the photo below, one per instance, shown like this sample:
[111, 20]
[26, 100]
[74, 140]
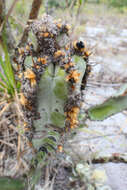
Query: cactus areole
[51, 88]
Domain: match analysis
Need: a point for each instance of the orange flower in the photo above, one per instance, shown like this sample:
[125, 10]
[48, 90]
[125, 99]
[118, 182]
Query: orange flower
[59, 25]
[72, 126]
[66, 66]
[60, 148]
[88, 53]
[30, 75]
[39, 59]
[71, 64]
[59, 53]
[75, 109]
[73, 75]
[26, 127]
[20, 75]
[73, 115]
[68, 27]
[43, 61]
[45, 35]
[37, 66]
[23, 99]
[67, 47]
[74, 122]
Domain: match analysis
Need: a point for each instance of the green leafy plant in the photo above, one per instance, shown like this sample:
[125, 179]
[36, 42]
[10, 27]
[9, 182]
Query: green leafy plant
[57, 4]
[117, 3]
[7, 183]
[7, 82]
[113, 105]
[108, 108]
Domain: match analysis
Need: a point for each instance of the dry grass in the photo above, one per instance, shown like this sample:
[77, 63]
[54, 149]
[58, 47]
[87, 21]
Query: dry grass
[14, 148]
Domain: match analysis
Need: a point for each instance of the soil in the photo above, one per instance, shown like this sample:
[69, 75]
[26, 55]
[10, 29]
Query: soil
[106, 33]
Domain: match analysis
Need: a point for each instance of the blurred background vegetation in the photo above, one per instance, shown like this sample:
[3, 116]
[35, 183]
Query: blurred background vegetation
[65, 9]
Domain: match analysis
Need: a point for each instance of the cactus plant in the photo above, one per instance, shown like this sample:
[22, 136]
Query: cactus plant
[50, 94]
[52, 86]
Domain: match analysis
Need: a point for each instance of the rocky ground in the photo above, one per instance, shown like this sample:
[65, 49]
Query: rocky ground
[105, 142]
